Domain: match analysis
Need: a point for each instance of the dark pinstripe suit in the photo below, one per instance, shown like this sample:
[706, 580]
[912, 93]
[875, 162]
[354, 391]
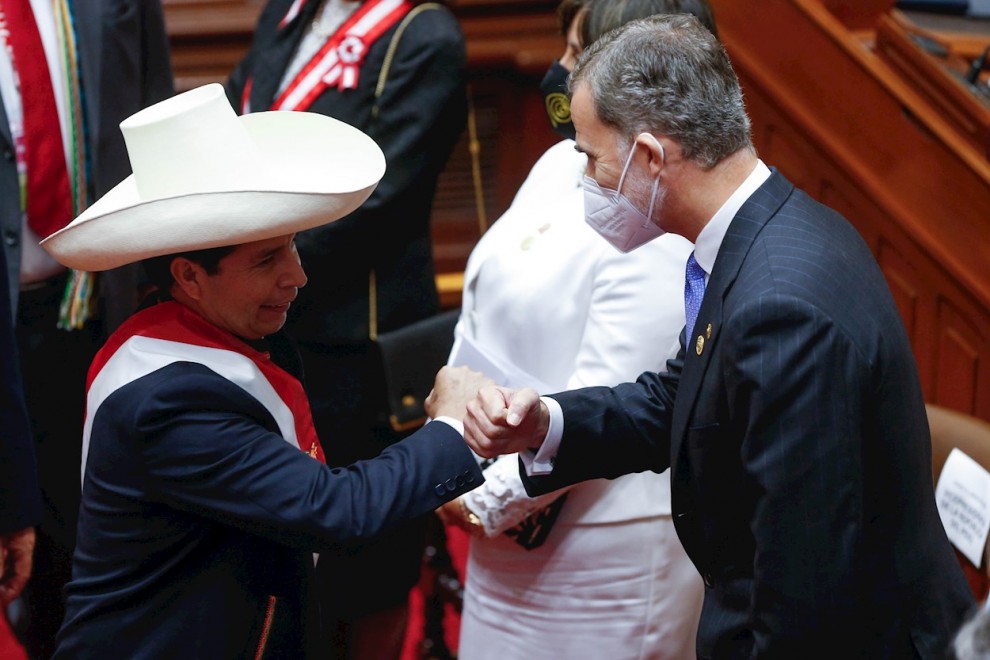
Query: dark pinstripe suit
[799, 446]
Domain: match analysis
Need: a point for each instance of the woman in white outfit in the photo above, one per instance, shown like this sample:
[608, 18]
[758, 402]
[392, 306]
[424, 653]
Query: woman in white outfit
[596, 571]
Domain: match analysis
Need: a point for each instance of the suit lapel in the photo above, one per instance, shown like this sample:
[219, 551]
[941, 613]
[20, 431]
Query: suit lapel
[699, 348]
[88, 38]
[273, 55]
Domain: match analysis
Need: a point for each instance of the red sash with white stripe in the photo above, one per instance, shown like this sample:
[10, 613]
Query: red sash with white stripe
[338, 62]
[170, 332]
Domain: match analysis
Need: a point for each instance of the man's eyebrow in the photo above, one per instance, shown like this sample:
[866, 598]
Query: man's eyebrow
[267, 252]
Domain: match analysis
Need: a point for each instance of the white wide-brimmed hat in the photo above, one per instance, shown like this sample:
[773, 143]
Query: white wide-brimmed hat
[204, 177]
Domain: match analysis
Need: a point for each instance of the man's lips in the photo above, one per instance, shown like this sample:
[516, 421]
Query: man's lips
[278, 307]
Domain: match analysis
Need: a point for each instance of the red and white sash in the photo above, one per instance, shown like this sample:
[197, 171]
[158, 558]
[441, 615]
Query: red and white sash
[170, 332]
[339, 61]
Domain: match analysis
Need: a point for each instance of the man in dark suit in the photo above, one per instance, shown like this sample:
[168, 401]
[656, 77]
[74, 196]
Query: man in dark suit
[792, 419]
[123, 65]
[205, 491]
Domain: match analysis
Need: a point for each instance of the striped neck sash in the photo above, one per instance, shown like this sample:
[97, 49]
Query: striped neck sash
[338, 62]
[170, 332]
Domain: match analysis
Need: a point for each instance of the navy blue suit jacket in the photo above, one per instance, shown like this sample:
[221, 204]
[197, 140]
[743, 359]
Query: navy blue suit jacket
[798, 444]
[195, 512]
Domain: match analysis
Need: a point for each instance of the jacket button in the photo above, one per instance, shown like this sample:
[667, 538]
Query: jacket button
[10, 238]
[459, 481]
[468, 478]
[440, 490]
[8, 154]
[451, 486]
[707, 577]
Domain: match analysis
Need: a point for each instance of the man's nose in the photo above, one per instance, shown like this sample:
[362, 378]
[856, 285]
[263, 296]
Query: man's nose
[295, 276]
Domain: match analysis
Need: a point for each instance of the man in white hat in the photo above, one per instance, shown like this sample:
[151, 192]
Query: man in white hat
[204, 491]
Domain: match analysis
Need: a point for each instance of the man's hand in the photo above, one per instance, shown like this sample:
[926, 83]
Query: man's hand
[503, 421]
[16, 556]
[452, 389]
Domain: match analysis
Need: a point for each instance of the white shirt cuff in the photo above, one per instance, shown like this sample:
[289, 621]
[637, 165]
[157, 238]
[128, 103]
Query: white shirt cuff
[542, 461]
[456, 423]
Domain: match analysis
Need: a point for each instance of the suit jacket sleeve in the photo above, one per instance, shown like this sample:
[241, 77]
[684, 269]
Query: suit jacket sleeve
[209, 451]
[20, 499]
[609, 432]
[634, 313]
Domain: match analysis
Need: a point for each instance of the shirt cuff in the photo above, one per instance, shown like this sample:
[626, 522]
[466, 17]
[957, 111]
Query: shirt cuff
[542, 461]
[451, 421]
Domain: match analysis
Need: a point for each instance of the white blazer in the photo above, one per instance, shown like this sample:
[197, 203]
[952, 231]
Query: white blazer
[545, 294]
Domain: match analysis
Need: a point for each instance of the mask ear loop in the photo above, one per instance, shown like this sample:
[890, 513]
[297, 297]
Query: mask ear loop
[656, 182]
[622, 177]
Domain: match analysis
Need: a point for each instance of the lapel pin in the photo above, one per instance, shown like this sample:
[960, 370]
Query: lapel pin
[708, 331]
[699, 345]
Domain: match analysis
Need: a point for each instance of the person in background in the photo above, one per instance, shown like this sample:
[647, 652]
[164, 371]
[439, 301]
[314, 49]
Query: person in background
[792, 420]
[69, 73]
[395, 69]
[20, 501]
[204, 487]
[594, 570]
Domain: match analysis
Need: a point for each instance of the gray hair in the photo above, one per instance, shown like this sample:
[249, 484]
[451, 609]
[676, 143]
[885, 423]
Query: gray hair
[670, 76]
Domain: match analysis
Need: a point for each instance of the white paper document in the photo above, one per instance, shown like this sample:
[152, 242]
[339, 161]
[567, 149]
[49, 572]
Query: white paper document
[467, 353]
[963, 499]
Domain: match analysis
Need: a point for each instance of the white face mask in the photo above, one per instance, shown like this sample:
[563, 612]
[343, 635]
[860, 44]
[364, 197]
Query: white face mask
[614, 217]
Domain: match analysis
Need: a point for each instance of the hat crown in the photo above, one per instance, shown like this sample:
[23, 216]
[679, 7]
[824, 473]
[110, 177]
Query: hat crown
[192, 142]
[204, 177]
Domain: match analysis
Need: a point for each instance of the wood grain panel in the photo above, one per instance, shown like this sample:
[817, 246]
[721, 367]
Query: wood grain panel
[832, 114]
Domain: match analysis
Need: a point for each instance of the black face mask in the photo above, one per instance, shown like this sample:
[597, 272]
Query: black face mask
[556, 100]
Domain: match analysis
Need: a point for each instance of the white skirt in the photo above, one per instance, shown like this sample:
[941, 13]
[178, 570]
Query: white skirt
[615, 590]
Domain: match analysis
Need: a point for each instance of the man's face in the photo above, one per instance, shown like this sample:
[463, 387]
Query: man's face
[595, 140]
[607, 154]
[250, 294]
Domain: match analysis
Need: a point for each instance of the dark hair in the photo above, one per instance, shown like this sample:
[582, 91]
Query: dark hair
[606, 15]
[567, 11]
[159, 269]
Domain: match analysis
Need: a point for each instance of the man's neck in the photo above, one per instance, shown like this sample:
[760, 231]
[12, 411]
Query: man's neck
[703, 192]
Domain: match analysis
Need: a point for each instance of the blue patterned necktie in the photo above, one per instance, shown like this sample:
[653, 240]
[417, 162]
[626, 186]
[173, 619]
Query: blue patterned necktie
[694, 291]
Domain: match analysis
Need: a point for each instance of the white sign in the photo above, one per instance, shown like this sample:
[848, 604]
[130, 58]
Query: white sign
[963, 499]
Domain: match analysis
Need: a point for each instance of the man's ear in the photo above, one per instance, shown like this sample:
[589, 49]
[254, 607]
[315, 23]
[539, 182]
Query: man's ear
[656, 155]
[188, 277]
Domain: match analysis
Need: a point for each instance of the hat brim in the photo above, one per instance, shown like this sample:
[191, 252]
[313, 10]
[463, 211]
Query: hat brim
[319, 170]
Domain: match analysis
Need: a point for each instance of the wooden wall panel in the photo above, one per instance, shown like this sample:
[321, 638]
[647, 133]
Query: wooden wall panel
[962, 352]
[849, 129]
